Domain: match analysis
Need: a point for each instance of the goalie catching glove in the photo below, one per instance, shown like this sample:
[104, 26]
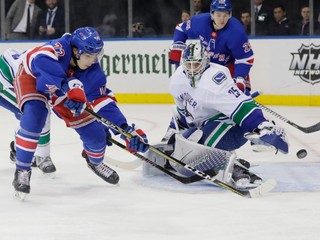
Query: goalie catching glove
[138, 142]
[76, 101]
[267, 133]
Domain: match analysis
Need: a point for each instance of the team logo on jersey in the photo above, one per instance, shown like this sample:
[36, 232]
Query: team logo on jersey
[306, 63]
[219, 78]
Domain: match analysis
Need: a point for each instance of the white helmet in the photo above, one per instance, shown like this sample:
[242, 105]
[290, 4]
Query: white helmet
[195, 60]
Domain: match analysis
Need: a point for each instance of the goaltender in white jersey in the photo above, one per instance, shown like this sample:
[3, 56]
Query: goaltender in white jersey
[214, 113]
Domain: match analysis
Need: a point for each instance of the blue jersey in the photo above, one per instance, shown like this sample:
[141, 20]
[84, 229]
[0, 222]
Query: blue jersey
[229, 45]
[50, 65]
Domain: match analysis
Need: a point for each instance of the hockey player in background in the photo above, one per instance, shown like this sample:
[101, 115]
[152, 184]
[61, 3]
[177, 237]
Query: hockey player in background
[66, 72]
[223, 37]
[213, 112]
[9, 63]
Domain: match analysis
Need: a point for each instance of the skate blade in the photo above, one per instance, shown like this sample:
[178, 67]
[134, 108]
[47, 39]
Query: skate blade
[20, 195]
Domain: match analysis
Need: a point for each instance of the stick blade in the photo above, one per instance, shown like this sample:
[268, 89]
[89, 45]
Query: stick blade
[313, 128]
[263, 189]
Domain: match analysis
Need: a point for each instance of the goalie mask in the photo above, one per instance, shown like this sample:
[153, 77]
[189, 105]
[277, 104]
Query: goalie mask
[87, 40]
[195, 60]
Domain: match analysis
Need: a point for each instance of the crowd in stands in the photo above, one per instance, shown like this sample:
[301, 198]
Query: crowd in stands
[45, 19]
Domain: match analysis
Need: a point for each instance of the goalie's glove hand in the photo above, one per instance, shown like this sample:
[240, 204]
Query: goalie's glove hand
[76, 101]
[267, 133]
[138, 142]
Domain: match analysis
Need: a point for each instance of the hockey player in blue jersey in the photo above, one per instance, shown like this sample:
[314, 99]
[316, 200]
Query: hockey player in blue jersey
[9, 63]
[223, 37]
[225, 40]
[215, 113]
[66, 73]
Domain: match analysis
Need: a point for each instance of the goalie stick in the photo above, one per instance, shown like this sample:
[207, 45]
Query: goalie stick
[256, 192]
[184, 180]
[311, 129]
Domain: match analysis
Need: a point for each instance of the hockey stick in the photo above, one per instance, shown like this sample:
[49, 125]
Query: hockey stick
[311, 129]
[124, 165]
[184, 180]
[262, 189]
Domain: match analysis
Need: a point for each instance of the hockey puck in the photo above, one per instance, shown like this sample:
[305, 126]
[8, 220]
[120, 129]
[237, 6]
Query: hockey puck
[302, 153]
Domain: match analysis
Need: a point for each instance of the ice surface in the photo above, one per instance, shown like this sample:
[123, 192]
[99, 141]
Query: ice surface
[78, 205]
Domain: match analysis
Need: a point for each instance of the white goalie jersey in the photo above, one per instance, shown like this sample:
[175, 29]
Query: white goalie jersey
[215, 97]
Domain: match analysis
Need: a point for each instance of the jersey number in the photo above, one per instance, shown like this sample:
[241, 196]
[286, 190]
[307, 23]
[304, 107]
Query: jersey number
[234, 91]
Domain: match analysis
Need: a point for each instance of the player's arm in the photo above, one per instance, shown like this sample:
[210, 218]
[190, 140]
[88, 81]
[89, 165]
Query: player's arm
[183, 31]
[46, 68]
[244, 58]
[243, 111]
[105, 104]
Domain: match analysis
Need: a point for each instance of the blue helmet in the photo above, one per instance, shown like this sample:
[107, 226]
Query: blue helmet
[220, 6]
[87, 40]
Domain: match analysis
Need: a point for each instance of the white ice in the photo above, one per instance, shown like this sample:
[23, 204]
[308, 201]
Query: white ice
[79, 205]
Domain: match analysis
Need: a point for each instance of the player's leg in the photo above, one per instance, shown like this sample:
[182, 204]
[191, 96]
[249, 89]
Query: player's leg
[35, 110]
[8, 100]
[27, 137]
[42, 157]
[94, 137]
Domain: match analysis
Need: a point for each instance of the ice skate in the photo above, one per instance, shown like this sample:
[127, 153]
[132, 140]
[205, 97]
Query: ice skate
[102, 170]
[240, 177]
[243, 178]
[46, 165]
[21, 183]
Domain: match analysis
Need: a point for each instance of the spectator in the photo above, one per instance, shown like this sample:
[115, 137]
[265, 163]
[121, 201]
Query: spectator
[21, 20]
[302, 26]
[197, 6]
[107, 28]
[139, 29]
[280, 25]
[185, 15]
[263, 15]
[50, 22]
[246, 21]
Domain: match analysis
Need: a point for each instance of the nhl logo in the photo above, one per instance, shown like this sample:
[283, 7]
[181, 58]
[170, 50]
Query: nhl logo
[306, 63]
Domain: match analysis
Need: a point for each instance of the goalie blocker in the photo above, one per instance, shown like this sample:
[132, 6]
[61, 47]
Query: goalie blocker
[221, 164]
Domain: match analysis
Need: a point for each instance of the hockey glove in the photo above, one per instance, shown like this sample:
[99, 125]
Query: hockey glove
[138, 142]
[175, 53]
[241, 83]
[76, 101]
[267, 133]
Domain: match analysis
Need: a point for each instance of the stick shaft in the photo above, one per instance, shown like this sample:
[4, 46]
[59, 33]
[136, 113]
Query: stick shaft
[244, 193]
[311, 129]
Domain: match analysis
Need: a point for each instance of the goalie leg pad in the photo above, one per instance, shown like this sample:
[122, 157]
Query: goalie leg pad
[203, 158]
[148, 169]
